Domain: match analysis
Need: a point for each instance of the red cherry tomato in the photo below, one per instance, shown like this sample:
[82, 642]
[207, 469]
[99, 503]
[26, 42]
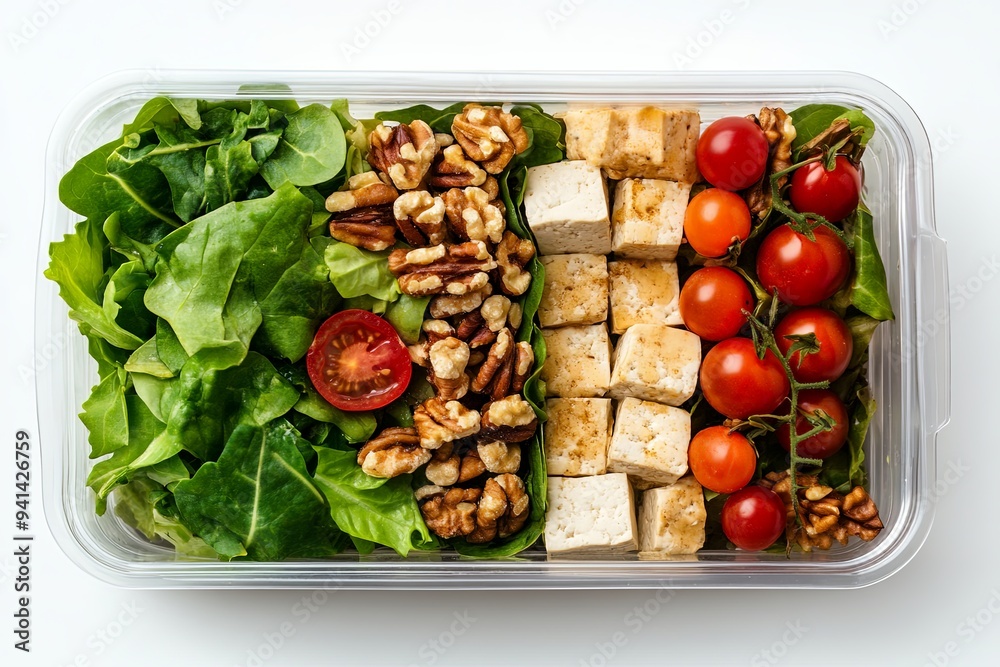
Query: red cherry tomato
[832, 194]
[732, 153]
[712, 302]
[738, 384]
[824, 444]
[358, 362]
[721, 460]
[832, 335]
[804, 272]
[714, 219]
[753, 518]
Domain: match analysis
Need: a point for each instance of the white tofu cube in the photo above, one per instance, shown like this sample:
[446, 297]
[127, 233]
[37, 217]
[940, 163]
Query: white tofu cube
[648, 218]
[646, 142]
[566, 204]
[576, 290]
[577, 434]
[650, 441]
[578, 363]
[590, 514]
[655, 362]
[672, 519]
[643, 292]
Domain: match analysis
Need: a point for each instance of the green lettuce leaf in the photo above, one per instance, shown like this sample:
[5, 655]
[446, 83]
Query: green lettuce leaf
[105, 414]
[869, 292]
[358, 272]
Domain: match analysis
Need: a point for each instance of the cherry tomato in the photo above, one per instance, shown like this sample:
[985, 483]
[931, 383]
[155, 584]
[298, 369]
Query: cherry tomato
[824, 444]
[721, 460]
[753, 518]
[712, 302]
[738, 384]
[714, 219]
[832, 194]
[804, 272]
[832, 335]
[732, 153]
[358, 362]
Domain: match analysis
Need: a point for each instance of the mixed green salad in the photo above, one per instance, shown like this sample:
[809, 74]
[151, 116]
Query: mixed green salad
[200, 276]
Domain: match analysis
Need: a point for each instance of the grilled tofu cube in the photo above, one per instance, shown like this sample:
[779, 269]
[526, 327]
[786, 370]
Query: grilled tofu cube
[645, 142]
[672, 519]
[578, 363]
[590, 515]
[650, 441]
[643, 292]
[577, 434]
[648, 218]
[576, 290]
[655, 362]
[566, 204]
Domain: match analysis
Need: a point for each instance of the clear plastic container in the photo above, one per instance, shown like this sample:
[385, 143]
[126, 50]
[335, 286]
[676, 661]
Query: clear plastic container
[909, 367]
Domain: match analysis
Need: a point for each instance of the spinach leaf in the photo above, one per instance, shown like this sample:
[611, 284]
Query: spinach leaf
[165, 111]
[182, 162]
[812, 119]
[439, 119]
[356, 426]
[214, 271]
[869, 292]
[258, 499]
[127, 246]
[359, 272]
[227, 173]
[105, 414]
[312, 149]
[77, 264]
[370, 508]
[123, 299]
[357, 139]
[546, 134]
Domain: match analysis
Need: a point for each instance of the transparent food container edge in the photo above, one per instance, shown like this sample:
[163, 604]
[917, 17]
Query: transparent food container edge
[909, 367]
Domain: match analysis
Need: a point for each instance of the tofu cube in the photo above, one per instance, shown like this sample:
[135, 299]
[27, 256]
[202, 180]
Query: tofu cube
[578, 363]
[577, 435]
[590, 514]
[672, 519]
[650, 441]
[645, 142]
[576, 290]
[643, 292]
[655, 362]
[648, 218]
[566, 204]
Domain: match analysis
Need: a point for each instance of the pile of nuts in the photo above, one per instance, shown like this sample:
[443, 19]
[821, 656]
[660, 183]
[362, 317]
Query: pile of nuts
[439, 194]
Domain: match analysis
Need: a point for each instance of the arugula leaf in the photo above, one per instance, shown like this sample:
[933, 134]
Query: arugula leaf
[312, 149]
[105, 414]
[77, 264]
[439, 119]
[359, 272]
[869, 292]
[370, 508]
[258, 499]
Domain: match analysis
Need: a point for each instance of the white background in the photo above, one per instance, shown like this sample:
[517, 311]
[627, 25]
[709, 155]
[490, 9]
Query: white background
[940, 56]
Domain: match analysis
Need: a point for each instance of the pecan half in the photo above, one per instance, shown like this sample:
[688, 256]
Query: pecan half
[524, 359]
[403, 152]
[420, 217]
[362, 214]
[471, 215]
[438, 421]
[495, 375]
[442, 269]
[510, 419]
[452, 169]
[513, 255]
[489, 136]
[394, 452]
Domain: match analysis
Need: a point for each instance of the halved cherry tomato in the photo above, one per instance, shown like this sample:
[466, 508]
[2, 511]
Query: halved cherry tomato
[722, 461]
[739, 384]
[732, 153]
[832, 335]
[712, 302]
[832, 194]
[804, 272]
[714, 219]
[826, 443]
[358, 362]
[753, 518]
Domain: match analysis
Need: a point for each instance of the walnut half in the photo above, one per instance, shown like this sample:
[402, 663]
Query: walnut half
[403, 152]
[394, 452]
[442, 269]
[489, 135]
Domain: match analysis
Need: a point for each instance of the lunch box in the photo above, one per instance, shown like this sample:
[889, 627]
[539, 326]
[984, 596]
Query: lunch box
[908, 369]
